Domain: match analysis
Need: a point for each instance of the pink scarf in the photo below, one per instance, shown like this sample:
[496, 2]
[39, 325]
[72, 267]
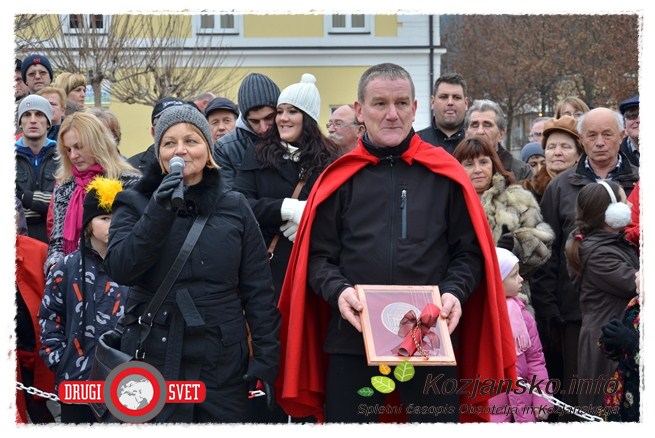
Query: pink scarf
[73, 219]
[519, 329]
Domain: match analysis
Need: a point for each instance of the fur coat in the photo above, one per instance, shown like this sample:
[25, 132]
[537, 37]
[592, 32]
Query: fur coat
[516, 209]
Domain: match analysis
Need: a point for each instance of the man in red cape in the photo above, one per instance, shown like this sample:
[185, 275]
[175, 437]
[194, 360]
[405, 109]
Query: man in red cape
[486, 347]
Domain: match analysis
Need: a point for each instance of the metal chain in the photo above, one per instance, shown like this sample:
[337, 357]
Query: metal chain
[565, 407]
[36, 391]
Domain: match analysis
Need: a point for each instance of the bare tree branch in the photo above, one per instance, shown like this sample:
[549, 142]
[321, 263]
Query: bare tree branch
[142, 58]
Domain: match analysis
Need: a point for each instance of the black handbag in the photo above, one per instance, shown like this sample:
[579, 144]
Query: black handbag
[108, 354]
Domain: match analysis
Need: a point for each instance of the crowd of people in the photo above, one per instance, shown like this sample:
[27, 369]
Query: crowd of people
[536, 258]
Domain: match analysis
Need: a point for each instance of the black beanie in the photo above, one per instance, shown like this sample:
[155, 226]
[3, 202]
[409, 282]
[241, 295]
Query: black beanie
[257, 90]
[35, 59]
[100, 194]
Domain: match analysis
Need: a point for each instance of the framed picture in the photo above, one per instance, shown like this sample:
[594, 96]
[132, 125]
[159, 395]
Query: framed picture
[402, 323]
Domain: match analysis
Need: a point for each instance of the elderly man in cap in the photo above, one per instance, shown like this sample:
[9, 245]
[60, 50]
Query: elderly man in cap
[36, 72]
[221, 113]
[556, 301]
[35, 163]
[630, 145]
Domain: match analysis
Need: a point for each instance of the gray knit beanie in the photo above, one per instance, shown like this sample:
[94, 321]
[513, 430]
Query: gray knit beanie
[303, 95]
[181, 114]
[257, 90]
[34, 102]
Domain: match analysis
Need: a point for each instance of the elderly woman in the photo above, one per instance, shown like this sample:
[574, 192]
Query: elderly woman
[513, 213]
[200, 332]
[562, 148]
[86, 149]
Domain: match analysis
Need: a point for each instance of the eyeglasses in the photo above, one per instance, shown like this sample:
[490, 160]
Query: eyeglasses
[576, 114]
[536, 134]
[339, 124]
[37, 72]
[631, 115]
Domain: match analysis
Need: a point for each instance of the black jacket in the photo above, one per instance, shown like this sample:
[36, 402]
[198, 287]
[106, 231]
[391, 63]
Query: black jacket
[437, 137]
[35, 190]
[265, 190]
[228, 151]
[200, 331]
[633, 156]
[391, 223]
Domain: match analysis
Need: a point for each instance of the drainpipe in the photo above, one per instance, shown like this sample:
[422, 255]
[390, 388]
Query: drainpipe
[431, 51]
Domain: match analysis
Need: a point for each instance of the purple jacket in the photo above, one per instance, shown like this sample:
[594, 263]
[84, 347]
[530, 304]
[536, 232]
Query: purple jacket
[531, 364]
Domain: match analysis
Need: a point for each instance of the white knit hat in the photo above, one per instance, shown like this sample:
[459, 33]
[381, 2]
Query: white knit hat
[506, 261]
[303, 95]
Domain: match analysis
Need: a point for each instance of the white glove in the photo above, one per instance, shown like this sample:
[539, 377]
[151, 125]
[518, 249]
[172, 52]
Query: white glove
[289, 230]
[292, 210]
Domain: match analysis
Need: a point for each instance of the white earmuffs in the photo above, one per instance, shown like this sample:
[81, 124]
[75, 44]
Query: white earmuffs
[617, 214]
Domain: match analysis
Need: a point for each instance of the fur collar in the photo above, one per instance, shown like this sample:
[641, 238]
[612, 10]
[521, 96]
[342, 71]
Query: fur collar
[199, 198]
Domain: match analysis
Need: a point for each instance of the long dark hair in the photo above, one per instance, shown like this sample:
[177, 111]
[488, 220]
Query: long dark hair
[590, 206]
[316, 150]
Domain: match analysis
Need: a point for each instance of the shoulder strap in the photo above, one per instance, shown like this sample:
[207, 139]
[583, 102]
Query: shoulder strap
[145, 320]
[296, 193]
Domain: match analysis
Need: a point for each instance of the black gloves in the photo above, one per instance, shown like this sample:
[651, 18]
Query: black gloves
[618, 338]
[506, 240]
[265, 386]
[166, 187]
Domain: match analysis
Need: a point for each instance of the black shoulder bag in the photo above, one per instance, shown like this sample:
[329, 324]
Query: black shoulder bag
[108, 354]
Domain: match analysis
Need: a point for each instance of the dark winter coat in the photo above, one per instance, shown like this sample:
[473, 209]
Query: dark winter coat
[437, 137]
[265, 189]
[70, 325]
[200, 331]
[552, 292]
[413, 226]
[34, 185]
[520, 169]
[228, 151]
[606, 285]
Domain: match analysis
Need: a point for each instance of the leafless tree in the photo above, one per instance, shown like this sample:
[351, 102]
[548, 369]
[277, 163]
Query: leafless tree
[527, 63]
[142, 58]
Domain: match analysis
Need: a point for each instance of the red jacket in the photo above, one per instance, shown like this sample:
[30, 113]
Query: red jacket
[486, 343]
[633, 231]
[30, 282]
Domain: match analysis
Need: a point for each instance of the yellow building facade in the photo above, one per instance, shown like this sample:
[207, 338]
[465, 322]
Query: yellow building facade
[336, 49]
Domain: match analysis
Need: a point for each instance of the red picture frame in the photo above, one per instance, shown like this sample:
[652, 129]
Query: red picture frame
[400, 323]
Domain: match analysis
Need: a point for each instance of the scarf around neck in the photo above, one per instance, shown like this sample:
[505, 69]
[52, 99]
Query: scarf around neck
[73, 219]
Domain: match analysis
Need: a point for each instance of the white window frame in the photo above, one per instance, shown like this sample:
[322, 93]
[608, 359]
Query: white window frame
[217, 29]
[348, 29]
[65, 19]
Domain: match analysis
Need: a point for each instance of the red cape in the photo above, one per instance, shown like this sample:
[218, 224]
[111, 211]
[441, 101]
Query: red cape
[486, 345]
[30, 281]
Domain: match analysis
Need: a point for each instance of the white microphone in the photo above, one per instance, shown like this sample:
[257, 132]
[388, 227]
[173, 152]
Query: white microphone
[176, 165]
